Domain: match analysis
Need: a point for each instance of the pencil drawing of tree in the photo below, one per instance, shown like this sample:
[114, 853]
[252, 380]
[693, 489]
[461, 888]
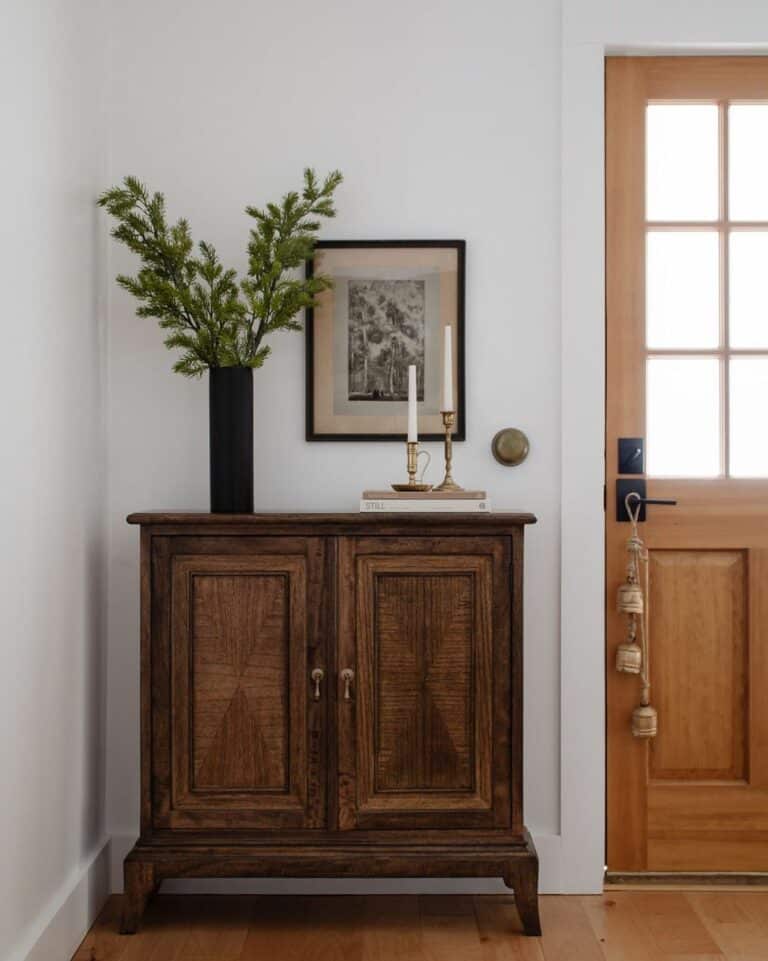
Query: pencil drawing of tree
[386, 326]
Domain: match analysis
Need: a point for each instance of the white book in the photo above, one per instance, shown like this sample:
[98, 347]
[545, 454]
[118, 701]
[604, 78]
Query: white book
[430, 495]
[409, 506]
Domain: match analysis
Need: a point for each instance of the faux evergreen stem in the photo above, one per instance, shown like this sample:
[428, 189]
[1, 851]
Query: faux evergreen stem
[212, 316]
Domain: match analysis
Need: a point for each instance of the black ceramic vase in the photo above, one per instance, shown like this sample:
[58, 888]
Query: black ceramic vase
[231, 439]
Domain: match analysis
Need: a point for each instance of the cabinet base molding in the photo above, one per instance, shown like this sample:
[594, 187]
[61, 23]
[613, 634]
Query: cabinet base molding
[148, 864]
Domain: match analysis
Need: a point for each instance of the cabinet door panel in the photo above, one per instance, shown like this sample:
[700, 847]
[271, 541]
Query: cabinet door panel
[240, 711]
[425, 740]
[243, 748]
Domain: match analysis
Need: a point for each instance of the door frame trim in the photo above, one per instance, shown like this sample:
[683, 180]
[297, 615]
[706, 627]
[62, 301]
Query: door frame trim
[582, 638]
[591, 31]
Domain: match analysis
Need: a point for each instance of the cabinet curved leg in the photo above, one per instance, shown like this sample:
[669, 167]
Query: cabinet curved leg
[140, 885]
[523, 878]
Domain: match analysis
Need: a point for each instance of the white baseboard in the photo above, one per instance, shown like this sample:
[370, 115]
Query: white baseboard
[62, 924]
[547, 845]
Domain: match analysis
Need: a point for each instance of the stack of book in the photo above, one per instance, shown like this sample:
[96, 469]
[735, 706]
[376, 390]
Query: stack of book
[413, 502]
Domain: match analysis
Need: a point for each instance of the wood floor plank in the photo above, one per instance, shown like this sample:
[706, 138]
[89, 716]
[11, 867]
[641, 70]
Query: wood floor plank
[279, 929]
[391, 928]
[161, 938]
[567, 934]
[104, 942]
[446, 905]
[617, 926]
[676, 929]
[449, 929]
[756, 906]
[450, 938]
[617, 930]
[218, 931]
[501, 932]
[335, 928]
[726, 918]
[166, 927]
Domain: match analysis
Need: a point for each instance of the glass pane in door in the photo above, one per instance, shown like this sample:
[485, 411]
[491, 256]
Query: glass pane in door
[682, 300]
[749, 416]
[683, 416]
[748, 161]
[682, 162]
[748, 289]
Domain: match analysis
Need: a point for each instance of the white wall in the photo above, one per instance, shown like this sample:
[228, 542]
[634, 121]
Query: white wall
[444, 117]
[52, 560]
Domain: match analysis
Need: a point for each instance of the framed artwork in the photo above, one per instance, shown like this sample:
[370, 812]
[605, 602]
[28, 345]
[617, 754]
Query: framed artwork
[389, 306]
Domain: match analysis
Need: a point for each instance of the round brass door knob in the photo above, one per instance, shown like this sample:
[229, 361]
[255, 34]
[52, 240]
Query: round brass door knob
[510, 447]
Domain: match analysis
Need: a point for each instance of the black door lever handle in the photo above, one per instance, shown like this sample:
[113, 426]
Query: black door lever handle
[666, 501]
[635, 489]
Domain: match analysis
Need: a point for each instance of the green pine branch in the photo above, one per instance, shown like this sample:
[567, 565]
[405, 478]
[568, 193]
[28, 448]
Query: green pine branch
[282, 240]
[212, 317]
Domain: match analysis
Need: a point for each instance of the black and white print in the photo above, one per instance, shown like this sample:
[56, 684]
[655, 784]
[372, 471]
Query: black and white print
[386, 334]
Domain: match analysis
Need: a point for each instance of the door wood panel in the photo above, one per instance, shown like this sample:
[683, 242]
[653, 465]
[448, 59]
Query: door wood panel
[698, 605]
[244, 745]
[694, 798]
[431, 677]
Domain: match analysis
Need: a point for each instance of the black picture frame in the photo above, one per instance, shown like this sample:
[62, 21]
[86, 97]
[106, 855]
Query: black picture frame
[460, 431]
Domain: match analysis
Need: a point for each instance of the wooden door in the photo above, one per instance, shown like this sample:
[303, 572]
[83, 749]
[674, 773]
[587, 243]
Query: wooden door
[425, 733]
[687, 371]
[238, 725]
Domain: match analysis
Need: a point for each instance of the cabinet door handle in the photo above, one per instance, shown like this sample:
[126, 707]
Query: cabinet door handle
[317, 675]
[347, 675]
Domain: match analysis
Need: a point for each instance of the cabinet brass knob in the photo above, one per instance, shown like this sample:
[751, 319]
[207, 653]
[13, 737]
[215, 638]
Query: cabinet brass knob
[317, 675]
[347, 675]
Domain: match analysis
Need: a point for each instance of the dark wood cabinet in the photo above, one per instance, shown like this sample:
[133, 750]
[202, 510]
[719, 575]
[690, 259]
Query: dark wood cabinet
[331, 695]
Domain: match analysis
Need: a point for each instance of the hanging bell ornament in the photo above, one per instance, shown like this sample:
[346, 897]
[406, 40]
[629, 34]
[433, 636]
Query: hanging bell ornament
[645, 721]
[629, 599]
[629, 654]
[629, 657]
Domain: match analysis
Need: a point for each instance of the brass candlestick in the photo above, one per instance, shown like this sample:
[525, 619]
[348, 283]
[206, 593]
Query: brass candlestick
[413, 453]
[448, 484]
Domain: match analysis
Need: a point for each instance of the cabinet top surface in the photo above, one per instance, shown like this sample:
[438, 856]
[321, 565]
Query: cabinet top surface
[494, 520]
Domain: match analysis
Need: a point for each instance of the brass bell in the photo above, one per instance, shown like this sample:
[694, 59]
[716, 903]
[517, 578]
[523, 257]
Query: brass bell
[629, 657]
[629, 599]
[645, 721]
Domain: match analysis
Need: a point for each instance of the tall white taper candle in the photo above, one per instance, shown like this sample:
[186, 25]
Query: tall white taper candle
[413, 428]
[447, 370]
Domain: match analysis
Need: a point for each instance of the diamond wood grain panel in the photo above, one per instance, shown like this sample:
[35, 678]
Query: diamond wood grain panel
[423, 656]
[243, 750]
[426, 734]
[240, 716]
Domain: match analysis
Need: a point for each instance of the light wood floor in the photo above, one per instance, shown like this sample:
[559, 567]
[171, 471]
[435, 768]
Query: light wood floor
[617, 926]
